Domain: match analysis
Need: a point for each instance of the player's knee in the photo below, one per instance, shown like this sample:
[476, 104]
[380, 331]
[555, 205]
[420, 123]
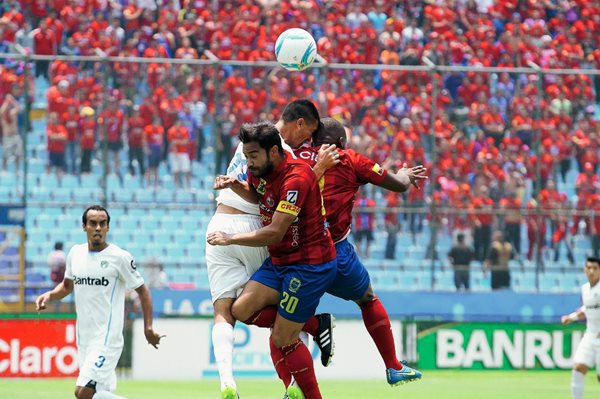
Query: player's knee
[239, 311]
[368, 297]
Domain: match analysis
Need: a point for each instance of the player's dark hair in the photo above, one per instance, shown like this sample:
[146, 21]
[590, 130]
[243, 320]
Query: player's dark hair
[58, 245]
[98, 208]
[593, 259]
[263, 133]
[302, 108]
[333, 132]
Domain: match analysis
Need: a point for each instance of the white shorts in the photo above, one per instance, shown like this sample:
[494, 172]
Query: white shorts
[13, 146]
[588, 351]
[180, 162]
[98, 363]
[230, 267]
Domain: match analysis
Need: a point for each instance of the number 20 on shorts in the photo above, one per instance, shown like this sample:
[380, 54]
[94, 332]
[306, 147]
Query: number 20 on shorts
[288, 303]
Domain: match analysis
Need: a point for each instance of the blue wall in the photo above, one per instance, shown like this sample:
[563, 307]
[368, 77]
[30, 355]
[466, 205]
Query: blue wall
[484, 306]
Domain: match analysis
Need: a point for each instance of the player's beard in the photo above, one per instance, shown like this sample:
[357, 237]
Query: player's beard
[265, 170]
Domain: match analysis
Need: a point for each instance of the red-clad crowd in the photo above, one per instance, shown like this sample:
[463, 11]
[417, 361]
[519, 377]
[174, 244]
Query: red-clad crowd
[485, 127]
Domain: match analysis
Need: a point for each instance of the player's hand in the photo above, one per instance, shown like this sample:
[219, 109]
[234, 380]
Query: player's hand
[152, 337]
[328, 157]
[412, 175]
[222, 182]
[40, 301]
[565, 320]
[218, 238]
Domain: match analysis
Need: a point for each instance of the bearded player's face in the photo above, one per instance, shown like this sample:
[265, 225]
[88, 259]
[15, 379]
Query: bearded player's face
[258, 160]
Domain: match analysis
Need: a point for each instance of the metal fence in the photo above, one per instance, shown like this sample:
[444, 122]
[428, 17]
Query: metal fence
[386, 106]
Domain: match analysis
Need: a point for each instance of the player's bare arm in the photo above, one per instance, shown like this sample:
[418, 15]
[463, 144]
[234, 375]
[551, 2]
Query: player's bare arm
[404, 178]
[241, 188]
[572, 317]
[268, 235]
[327, 158]
[59, 292]
[152, 337]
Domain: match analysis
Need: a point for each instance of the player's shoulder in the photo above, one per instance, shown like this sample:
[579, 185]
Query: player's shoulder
[117, 251]
[78, 249]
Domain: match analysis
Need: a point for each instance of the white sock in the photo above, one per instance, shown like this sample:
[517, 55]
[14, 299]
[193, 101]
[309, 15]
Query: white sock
[577, 379]
[106, 395]
[304, 337]
[222, 338]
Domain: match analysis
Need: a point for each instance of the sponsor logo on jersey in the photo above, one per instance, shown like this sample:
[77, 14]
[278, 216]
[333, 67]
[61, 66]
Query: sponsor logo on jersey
[295, 285]
[91, 281]
[286, 207]
[292, 196]
[270, 201]
[103, 264]
[378, 169]
[261, 187]
[133, 266]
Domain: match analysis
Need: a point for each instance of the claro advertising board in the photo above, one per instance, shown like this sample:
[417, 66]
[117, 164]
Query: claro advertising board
[38, 348]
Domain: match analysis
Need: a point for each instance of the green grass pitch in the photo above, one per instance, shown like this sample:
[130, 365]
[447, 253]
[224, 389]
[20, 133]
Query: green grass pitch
[435, 384]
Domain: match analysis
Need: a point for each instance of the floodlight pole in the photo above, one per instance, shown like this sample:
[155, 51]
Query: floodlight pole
[431, 250]
[26, 59]
[538, 170]
[104, 197]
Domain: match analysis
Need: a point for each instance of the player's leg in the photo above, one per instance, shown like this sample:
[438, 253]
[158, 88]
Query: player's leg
[585, 357]
[294, 355]
[254, 305]
[577, 380]
[352, 282]
[222, 339]
[301, 290]
[97, 376]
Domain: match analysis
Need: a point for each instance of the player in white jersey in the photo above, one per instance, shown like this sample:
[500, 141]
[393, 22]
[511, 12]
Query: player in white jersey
[588, 351]
[230, 267]
[99, 273]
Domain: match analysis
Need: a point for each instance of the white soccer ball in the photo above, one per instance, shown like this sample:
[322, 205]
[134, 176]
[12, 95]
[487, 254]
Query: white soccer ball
[295, 49]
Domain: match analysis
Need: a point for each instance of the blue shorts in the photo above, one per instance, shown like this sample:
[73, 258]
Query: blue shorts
[352, 279]
[300, 286]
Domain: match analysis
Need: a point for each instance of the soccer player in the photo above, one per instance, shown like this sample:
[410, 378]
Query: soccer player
[302, 262]
[352, 282]
[99, 273]
[588, 352]
[230, 267]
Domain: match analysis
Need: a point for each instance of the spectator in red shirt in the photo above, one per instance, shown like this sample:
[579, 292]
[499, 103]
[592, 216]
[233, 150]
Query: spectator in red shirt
[70, 120]
[44, 43]
[110, 121]
[511, 204]
[392, 226]
[87, 141]
[57, 139]
[135, 139]
[364, 222]
[178, 137]
[154, 136]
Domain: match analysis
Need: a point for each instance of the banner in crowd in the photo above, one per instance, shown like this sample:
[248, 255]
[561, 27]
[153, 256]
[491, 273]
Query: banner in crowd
[464, 306]
[504, 346]
[38, 348]
[187, 350]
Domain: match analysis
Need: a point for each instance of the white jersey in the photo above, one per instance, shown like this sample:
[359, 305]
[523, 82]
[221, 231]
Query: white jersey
[100, 280]
[238, 169]
[590, 297]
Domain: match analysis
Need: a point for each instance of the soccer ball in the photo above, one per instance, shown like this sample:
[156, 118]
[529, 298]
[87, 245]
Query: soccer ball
[295, 49]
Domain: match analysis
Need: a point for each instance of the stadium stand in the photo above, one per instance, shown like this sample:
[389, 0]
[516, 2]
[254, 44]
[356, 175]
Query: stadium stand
[484, 131]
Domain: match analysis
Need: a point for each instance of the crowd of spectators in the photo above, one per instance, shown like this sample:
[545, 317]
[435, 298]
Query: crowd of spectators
[486, 128]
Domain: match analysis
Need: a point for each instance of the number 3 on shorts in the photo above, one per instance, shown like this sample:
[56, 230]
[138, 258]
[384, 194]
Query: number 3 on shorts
[288, 303]
[100, 362]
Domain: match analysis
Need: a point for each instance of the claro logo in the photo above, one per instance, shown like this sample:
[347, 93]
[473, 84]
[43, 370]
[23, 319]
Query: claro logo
[19, 358]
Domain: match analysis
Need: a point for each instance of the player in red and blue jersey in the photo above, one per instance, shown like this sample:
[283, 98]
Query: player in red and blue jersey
[302, 262]
[339, 187]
